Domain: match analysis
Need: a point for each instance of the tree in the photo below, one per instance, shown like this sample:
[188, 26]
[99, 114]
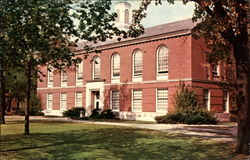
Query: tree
[36, 33]
[224, 26]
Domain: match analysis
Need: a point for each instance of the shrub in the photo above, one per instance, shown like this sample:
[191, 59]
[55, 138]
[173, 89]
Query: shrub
[187, 109]
[95, 114]
[74, 113]
[106, 114]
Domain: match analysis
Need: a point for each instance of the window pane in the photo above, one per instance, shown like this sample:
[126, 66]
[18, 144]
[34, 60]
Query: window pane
[79, 71]
[116, 65]
[64, 77]
[96, 65]
[137, 100]
[78, 99]
[63, 101]
[138, 63]
[162, 99]
[50, 101]
[162, 59]
[115, 100]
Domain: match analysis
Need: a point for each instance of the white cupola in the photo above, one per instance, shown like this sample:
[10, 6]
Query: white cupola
[123, 11]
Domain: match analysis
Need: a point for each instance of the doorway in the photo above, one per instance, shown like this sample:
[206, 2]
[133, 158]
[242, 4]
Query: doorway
[95, 99]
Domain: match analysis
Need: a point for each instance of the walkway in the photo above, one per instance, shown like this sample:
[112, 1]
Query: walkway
[214, 132]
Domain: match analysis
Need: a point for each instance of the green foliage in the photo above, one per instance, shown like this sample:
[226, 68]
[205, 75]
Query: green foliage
[35, 106]
[98, 114]
[187, 109]
[74, 113]
[192, 117]
[185, 99]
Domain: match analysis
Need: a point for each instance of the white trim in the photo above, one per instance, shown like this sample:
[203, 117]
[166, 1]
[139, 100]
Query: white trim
[143, 116]
[47, 103]
[132, 104]
[111, 104]
[142, 82]
[61, 101]
[81, 98]
[156, 100]
[64, 84]
[115, 78]
[161, 76]
[136, 78]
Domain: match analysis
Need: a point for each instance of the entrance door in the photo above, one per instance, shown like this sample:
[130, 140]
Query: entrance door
[96, 99]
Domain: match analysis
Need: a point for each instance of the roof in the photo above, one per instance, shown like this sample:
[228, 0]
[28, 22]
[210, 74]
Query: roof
[167, 28]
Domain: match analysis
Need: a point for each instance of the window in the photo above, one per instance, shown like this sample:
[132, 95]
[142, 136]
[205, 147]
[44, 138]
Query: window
[225, 104]
[115, 100]
[64, 77]
[78, 100]
[49, 101]
[215, 70]
[96, 67]
[137, 100]
[162, 100]
[126, 16]
[63, 102]
[162, 60]
[206, 99]
[115, 65]
[79, 71]
[137, 60]
[50, 75]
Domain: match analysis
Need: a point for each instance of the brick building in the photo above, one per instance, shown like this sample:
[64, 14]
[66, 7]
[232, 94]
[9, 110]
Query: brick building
[137, 78]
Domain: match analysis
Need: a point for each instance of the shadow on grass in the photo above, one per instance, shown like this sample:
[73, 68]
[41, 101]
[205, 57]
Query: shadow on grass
[111, 143]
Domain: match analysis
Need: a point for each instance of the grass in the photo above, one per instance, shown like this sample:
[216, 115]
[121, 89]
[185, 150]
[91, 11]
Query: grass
[52, 140]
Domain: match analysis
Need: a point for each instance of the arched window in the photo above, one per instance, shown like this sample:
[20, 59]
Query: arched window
[126, 16]
[162, 60]
[96, 67]
[115, 65]
[137, 60]
[118, 15]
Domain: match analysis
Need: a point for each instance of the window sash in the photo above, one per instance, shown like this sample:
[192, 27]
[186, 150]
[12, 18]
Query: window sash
[96, 66]
[79, 71]
[49, 101]
[162, 60]
[78, 100]
[137, 100]
[116, 65]
[138, 63]
[115, 100]
[64, 77]
[162, 99]
[63, 101]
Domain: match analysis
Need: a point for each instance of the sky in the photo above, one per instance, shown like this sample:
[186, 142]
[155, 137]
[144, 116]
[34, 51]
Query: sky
[163, 13]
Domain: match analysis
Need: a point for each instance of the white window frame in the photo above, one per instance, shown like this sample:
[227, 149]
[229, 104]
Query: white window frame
[63, 108]
[112, 66]
[50, 76]
[227, 101]
[208, 107]
[64, 75]
[137, 51]
[47, 105]
[111, 100]
[94, 77]
[76, 99]
[132, 104]
[161, 76]
[79, 67]
[166, 108]
[217, 71]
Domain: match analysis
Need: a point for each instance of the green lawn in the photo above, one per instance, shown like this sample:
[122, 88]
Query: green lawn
[70, 141]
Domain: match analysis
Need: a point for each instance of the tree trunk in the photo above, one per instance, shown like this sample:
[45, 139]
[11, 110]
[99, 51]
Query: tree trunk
[242, 57]
[27, 110]
[3, 102]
